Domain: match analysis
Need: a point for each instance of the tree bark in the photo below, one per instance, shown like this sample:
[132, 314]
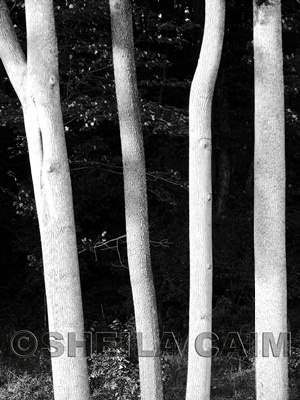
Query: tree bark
[37, 86]
[200, 203]
[136, 200]
[269, 198]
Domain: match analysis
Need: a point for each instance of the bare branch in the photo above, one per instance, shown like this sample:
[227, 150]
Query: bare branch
[11, 52]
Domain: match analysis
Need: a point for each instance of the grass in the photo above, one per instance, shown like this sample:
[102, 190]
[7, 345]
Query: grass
[117, 378]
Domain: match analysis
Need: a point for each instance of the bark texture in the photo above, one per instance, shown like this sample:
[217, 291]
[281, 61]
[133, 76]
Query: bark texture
[200, 203]
[136, 201]
[37, 85]
[269, 199]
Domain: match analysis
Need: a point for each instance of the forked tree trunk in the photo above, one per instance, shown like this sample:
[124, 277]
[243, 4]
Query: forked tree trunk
[200, 203]
[269, 200]
[136, 200]
[37, 85]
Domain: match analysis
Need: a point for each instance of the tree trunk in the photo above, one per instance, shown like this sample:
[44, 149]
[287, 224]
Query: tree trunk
[136, 200]
[37, 86]
[200, 314]
[269, 199]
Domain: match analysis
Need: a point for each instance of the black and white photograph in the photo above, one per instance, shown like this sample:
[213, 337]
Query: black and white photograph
[149, 200]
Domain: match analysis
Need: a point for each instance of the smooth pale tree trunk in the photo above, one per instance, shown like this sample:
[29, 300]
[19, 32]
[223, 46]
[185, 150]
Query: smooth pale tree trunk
[136, 208]
[269, 199]
[200, 202]
[37, 85]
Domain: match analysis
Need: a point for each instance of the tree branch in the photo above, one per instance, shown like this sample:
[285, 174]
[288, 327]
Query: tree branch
[11, 53]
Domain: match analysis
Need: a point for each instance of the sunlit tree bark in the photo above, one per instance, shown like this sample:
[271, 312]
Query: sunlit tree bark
[36, 83]
[136, 200]
[269, 199]
[200, 203]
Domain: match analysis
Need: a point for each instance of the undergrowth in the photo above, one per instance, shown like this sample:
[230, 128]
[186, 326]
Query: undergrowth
[114, 376]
